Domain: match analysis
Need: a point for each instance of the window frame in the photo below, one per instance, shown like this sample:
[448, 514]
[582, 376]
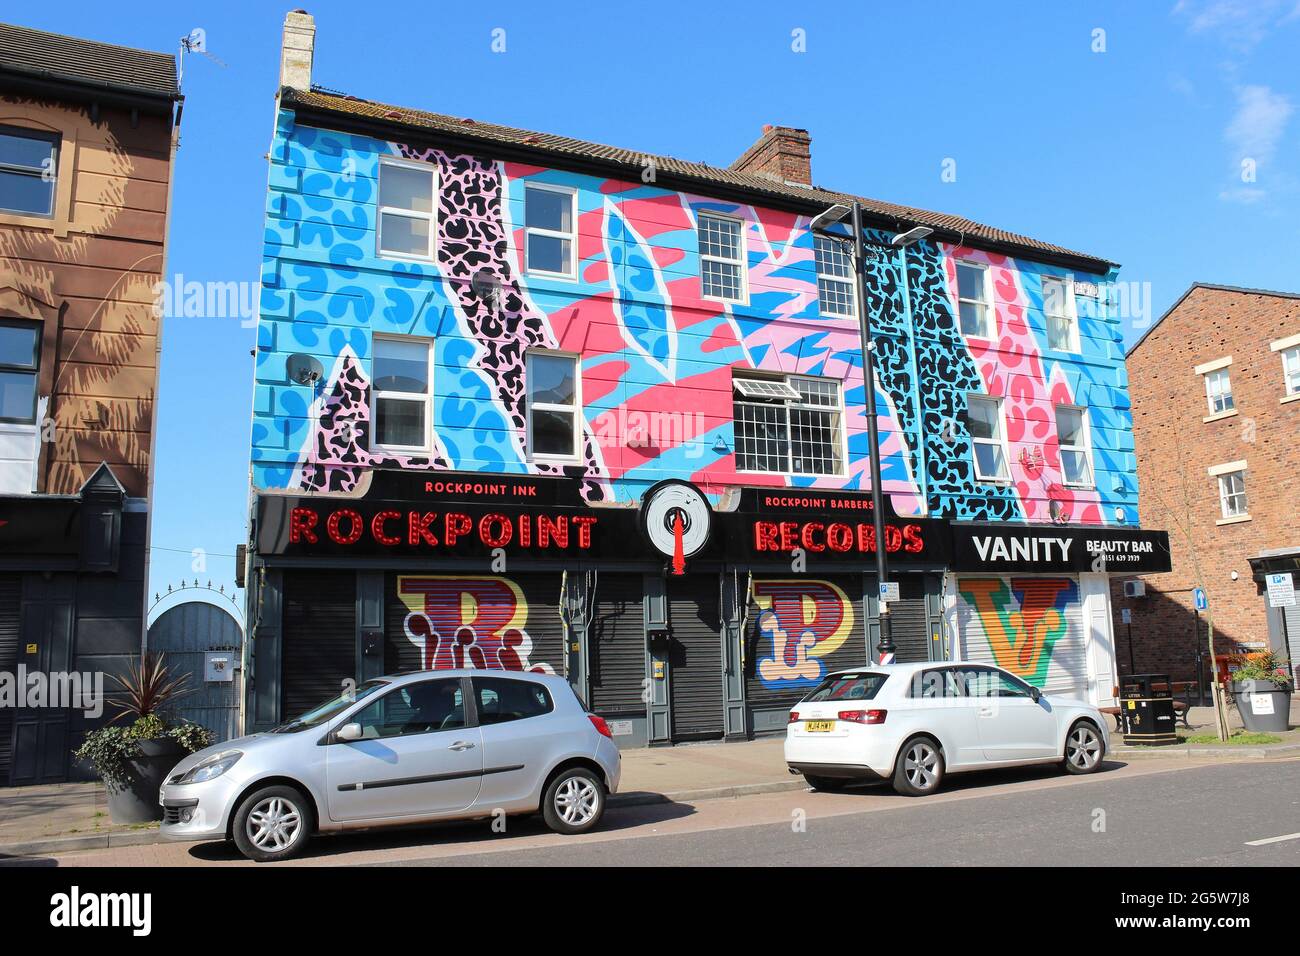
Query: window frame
[471, 713]
[55, 140]
[34, 370]
[575, 409]
[786, 405]
[1001, 439]
[431, 217]
[741, 262]
[572, 237]
[474, 680]
[1212, 375]
[1085, 448]
[986, 288]
[376, 394]
[850, 281]
[1223, 478]
[1290, 369]
[1071, 314]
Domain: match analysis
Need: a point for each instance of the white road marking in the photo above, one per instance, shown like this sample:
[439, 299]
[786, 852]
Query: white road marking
[1278, 839]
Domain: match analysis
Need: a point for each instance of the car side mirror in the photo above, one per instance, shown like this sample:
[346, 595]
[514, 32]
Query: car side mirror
[1035, 694]
[350, 731]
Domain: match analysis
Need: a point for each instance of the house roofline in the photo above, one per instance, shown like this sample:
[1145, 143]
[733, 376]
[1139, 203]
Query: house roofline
[1213, 287]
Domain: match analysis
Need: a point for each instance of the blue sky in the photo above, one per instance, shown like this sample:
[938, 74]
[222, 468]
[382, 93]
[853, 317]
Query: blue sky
[1133, 153]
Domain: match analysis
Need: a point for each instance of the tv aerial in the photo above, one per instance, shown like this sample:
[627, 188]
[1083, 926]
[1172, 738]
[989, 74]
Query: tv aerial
[196, 41]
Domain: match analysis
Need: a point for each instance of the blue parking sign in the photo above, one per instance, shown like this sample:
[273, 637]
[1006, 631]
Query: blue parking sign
[1199, 595]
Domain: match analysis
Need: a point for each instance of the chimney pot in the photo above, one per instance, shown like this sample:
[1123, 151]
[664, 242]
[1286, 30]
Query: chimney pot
[782, 153]
[297, 49]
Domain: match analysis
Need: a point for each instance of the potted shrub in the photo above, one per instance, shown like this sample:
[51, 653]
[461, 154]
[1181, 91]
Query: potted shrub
[1261, 690]
[133, 759]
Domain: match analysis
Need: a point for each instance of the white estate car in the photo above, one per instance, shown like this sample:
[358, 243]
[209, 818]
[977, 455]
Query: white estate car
[432, 745]
[912, 723]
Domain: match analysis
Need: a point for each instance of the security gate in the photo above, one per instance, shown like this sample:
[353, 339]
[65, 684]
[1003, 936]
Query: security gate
[204, 643]
[10, 593]
[319, 651]
[695, 658]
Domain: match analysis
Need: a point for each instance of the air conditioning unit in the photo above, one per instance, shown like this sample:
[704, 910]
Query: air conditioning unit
[1135, 589]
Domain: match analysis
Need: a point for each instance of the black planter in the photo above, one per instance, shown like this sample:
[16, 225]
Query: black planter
[135, 799]
[1276, 713]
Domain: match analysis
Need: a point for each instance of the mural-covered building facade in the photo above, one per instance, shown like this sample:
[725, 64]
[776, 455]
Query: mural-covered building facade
[494, 366]
[87, 134]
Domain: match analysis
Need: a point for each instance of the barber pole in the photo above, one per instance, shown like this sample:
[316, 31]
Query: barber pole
[887, 658]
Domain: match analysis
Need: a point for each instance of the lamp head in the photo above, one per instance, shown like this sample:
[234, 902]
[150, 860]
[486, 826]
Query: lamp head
[913, 235]
[830, 216]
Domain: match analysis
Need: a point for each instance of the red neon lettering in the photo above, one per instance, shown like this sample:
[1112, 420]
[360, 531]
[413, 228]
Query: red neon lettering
[456, 526]
[417, 528]
[552, 527]
[893, 538]
[355, 526]
[789, 535]
[525, 531]
[839, 537]
[505, 530]
[912, 541]
[866, 537]
[301, 522]
[806, 536]
[765, 536]
[377, 528]
[583, 523]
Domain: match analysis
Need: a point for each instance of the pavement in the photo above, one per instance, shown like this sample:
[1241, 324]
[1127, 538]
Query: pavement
[62, 818]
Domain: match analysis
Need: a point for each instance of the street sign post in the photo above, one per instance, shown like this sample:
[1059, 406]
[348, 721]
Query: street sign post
[1281, 590]
[1198, 594]
[889, 591]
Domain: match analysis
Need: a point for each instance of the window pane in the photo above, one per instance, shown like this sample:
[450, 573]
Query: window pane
[970, 282]
[24, 193]
[814, 442]
[848, 687]
[401, 366]
[833, 258]
[18, 396]
[550, 379]
[983, 419]
[834, 297]
[400, 422]
[30, 152]
[501, 700]
[1054, 298]
[552, 433]
[721, 280]
[972, 319]
[18, 345]
[550, 254]
[417, 709]
[404, 235]
[1069, 425]
[1291, 367]
[761, 443]
[719, 237]
[548, 209]
[1074, 464]
[404, 188]
[1059, 334]
[991, 462]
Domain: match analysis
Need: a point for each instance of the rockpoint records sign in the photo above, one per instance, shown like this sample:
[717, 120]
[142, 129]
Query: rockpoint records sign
[1048, 549]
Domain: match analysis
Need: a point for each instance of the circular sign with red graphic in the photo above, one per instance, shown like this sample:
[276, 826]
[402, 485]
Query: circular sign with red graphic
[677, 520]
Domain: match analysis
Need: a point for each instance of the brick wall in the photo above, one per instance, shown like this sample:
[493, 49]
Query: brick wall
[1175, 447]
[782, 153]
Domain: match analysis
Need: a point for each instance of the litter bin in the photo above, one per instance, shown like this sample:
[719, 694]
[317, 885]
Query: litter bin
[1147, 709]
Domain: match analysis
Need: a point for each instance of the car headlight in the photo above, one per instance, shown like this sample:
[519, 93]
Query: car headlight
[211, 768]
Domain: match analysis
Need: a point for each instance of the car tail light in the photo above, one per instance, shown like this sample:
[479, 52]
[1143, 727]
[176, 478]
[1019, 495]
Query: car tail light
[863, 716]
[794, 717]
[601, 727]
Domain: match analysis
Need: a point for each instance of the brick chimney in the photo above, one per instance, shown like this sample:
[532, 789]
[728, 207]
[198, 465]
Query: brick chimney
[297, 49]
[782, 153]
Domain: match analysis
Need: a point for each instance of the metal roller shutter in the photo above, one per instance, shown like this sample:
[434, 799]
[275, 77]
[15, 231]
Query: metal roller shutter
[1031, 625]
[493, 622]
[10, 598]
[908, 622]
[1291, 618]
[320, 638]
[616, 646]
[780, 668]
[695, 661]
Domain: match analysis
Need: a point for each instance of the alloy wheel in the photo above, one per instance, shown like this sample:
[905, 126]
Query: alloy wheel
[273, 824]
[1083, 749]
[921, 765]
[575, 801]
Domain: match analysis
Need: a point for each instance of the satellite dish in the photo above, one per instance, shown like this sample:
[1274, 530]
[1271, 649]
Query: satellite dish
[486, 285]
[304, 369]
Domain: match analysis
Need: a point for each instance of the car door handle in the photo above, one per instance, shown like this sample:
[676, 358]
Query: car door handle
[461, 745]
[986, 711]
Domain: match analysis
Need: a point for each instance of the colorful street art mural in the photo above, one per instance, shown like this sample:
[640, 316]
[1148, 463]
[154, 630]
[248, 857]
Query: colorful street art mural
[653, 351]
[477, 622]
[1016, 622]
[800, 622]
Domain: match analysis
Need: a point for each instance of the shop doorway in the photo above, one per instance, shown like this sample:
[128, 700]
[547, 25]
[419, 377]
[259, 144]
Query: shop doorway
[695, 658]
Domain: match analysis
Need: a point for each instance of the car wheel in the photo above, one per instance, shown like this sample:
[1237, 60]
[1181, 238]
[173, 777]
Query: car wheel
[919, 769]
[574, 802]
[273, 823]
[829, 784]
[1084, 748]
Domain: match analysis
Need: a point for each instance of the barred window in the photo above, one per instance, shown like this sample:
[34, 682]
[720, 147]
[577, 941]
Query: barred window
[722, 258]
[800, 435]
[835, 289]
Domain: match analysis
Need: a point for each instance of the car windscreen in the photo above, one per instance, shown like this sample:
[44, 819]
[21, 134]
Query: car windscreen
[863, 686]
[331, 708]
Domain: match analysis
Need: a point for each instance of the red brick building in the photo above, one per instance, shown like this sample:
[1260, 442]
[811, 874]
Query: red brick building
[1215, 387]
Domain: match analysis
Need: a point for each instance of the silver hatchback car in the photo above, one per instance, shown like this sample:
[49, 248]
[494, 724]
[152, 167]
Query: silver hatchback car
[433, 745]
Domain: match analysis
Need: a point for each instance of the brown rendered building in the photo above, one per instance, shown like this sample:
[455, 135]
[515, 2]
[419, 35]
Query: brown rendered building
[87, 136]
[1215, 387]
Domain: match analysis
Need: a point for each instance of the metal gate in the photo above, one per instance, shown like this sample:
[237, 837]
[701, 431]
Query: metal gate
[320, 638]
[10, 593]
[617, 647]
[695, 658]
[204, 642]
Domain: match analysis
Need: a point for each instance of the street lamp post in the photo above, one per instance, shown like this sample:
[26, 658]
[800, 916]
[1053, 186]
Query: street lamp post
[900, 242]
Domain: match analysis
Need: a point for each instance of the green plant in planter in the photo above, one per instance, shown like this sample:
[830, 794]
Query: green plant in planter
[1262, 666]
[145, 692]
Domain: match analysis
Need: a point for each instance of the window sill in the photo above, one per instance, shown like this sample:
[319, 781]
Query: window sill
[1219, 416]
[1235, 519]
[1286, 399]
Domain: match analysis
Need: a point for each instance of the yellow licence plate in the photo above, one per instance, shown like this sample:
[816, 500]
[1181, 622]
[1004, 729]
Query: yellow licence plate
[819, 726]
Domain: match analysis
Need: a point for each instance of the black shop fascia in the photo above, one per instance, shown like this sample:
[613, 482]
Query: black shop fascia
[473, 518]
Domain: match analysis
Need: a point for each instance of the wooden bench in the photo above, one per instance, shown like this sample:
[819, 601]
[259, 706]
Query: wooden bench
[1181, 707]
